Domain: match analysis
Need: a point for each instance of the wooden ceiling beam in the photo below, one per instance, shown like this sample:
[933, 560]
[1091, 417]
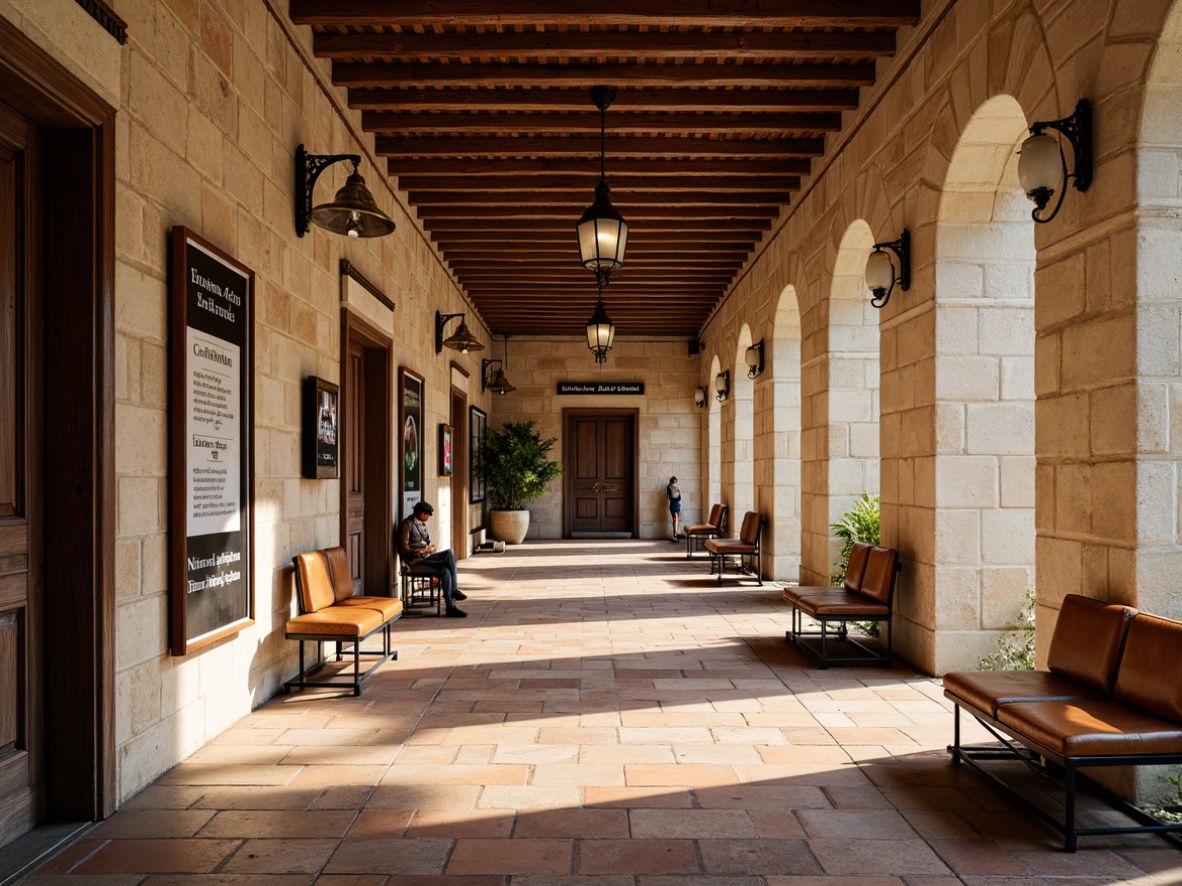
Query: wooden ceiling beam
[637, 213]
[688, 124]
[642, 99]
[643, 168]
[588, 147]
[466, 221]
[620, 199]
[565, 235]
[547, 260]
[651, 46]
[580, 13]
[619, 183]
[401, 75]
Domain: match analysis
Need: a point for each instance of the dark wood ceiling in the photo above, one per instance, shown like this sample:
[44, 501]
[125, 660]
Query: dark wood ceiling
[484, 111]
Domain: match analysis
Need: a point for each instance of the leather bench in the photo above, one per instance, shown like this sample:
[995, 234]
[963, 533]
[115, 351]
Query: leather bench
[867, 594]
[331, 613]
[1111, 696]
[743, 552]
[696, 533]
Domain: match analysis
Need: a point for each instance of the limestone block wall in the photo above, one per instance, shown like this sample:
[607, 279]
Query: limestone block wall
[213, 97]
[1106, 339]
[669, 424]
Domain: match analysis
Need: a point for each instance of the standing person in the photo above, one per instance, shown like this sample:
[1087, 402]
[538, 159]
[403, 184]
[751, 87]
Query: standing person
[673, 493]
[414, 546]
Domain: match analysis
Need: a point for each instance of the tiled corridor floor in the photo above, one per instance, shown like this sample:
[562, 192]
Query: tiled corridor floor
[607, 715]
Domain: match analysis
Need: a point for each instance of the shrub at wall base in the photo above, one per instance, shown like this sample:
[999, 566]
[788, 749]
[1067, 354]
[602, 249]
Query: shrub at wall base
[515, 465]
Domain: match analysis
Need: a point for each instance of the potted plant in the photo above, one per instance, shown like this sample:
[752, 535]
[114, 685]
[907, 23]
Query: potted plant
[515, 465]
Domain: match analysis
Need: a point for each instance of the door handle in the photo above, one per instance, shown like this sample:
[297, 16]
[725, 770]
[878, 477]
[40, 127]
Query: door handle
[595, 488]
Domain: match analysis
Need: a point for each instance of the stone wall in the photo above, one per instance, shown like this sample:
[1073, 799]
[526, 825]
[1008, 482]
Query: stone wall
[669, 422]
[213, 98]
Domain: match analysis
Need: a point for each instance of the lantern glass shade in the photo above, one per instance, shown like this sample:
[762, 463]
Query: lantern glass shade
[603, 235]
[353, 212]
[601, 332]
[720, 383]
[700, 397]
[880, 273]
[752, 357]
[1040, 165]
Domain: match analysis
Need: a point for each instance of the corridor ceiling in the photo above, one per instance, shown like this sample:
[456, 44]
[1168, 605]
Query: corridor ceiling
[484, 113]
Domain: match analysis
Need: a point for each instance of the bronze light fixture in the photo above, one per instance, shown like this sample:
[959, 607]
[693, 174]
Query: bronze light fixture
[722, 384]
[880, 270]
[494, 380]
[352, 211]
[754, 359]
[461, 340]
[601, 332]
[700, 398]
[1042, 167]
[602, 231]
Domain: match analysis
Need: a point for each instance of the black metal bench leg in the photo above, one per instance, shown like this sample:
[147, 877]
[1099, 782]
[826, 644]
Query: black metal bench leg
[1069, 836]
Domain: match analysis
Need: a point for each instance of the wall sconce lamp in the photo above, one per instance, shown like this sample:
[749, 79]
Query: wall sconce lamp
[602, 231]
[461, 340]
[700, 398]
[352, 211]
[754, 359]
[1042, 167]
[722, 384]
[494, 381]
[880, 270]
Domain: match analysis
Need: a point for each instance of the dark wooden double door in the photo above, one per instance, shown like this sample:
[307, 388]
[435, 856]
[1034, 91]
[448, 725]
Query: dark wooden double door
[600, 459]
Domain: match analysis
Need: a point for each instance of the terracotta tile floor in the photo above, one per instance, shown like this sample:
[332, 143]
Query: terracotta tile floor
[607, 715]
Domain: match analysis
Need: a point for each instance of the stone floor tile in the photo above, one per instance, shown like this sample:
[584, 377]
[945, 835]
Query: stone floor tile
[424, 796]
[375, 823]
[158, 856]
[462, 823]
[688, 775]
[879, 824]
[384, 856]
[571, 823]
[977, 857]
[758, 856]
[899, 857]
[152, 823]
[223, 879]
[244, 824]
[281, 856]
[836, 881]
[596, 857]
[638, 797]
[535, 856]
[691, 824]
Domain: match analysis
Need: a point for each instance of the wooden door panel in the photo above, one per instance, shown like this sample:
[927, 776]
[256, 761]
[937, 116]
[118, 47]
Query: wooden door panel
[12, 653]
[11, 359]
[600, 486]
[354, 428]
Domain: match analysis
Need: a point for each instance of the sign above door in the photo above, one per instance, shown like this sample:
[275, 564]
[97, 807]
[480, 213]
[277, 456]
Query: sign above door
[601, 387]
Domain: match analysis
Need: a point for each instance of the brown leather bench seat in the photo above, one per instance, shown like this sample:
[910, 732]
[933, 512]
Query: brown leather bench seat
[867, 594]
[743, 552]
[1112, 697]
[331, 613]
[696, 533]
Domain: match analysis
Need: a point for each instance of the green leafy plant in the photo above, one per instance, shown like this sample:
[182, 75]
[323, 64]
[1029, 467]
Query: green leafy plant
[861, 523]
[515, 464]
[1015, 650]
[1171, 808]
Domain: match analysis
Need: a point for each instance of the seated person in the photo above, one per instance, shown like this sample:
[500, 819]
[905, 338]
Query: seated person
[415, 549]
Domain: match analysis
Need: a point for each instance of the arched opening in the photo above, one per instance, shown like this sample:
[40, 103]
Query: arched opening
[783, 369]
[742, 396]
[853, 379]
[985, 260]
[713, 447]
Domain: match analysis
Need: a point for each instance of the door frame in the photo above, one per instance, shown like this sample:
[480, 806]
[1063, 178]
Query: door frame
[379, 480]
[79, 451]
[459, 471]
[568, 456]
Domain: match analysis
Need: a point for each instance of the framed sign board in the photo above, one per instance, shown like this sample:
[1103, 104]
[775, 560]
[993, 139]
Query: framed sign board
[412, 442]
[321, 428]
[477, 422]
[211, 502]
[445, 456]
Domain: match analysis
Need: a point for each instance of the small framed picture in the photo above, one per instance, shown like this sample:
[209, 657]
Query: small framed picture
[321, 429]
[445, 454]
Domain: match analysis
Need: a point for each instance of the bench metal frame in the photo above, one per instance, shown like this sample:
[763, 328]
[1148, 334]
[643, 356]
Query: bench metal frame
[420, 590]
[798, 635]
[1045, 762]
[342, 679]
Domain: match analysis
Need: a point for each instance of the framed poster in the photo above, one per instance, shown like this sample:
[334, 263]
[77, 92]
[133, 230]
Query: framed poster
[445, 462]
[412, 444]
[321, 426]
[477, 422]
[211, 443]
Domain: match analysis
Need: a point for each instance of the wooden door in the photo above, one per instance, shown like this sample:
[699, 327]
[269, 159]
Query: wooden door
[353, 428]
[601, 471]
[22, 775]
[367, 483]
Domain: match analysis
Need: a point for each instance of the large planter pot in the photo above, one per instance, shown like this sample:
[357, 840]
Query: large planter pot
[508, 526]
